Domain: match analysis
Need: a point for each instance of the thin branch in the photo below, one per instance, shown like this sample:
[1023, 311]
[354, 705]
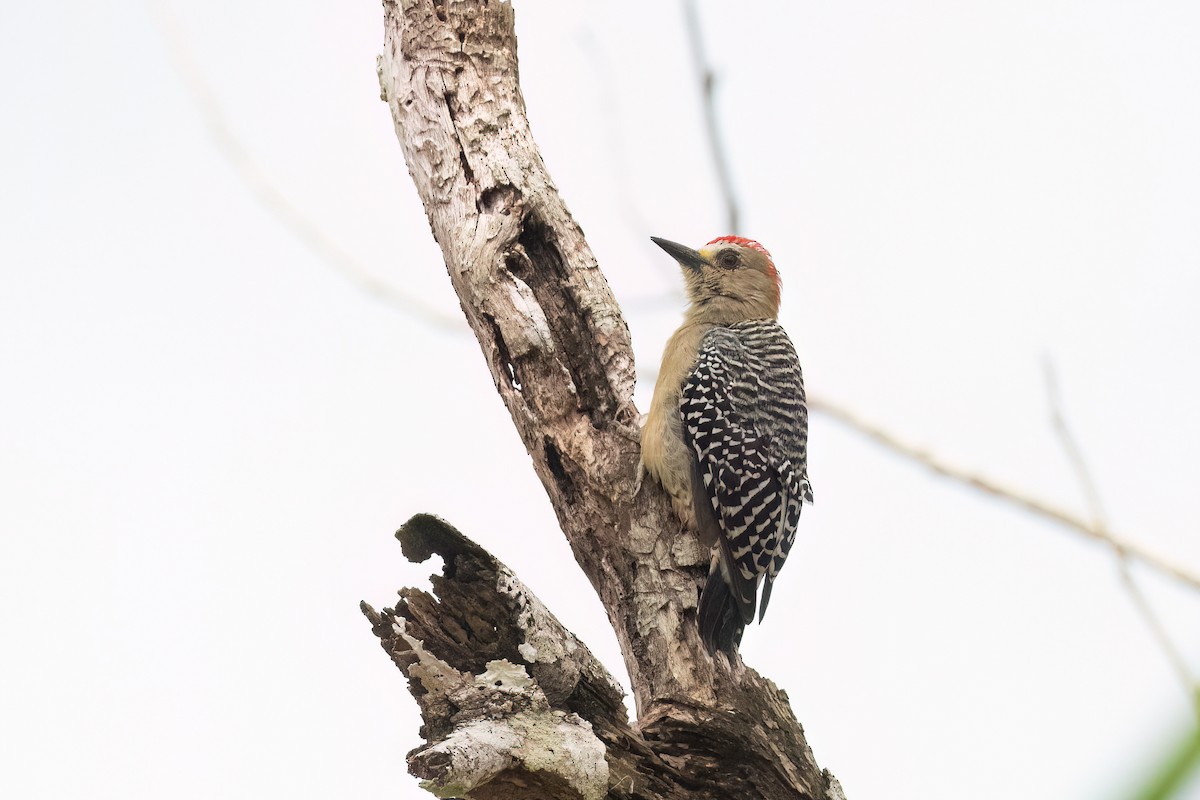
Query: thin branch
[269, 195]
[610, 112]
[708, 80]
[1159, 631]
[1012, 496]
[1100, 522]
[1071, 447]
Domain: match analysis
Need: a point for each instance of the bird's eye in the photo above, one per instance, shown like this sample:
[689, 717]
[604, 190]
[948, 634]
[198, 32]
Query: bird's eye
[728, 259]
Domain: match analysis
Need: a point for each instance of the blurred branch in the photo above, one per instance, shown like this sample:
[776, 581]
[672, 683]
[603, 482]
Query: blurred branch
[708, 80]
[269, 195]
[988, 486]
[1100, 522]
[608, 104]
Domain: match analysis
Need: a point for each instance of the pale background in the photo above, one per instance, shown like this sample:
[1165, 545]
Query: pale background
[209, 434]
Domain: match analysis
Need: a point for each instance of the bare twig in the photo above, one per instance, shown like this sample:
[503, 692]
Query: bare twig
[609, 106]
[1071, 447]
[1159, 632]
[269, 195]
[1100, 522]
[708, 80]
[1012, 496]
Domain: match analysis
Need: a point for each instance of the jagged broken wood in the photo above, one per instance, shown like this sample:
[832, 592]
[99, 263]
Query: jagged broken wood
[509, 696]
[559, 353]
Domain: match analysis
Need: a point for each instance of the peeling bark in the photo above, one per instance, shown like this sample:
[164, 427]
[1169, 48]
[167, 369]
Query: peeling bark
[559, 353]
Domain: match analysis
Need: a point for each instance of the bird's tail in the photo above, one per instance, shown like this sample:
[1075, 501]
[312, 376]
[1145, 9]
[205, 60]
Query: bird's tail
[719, 617]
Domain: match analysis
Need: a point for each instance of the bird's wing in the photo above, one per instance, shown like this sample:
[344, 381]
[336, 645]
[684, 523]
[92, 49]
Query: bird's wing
[745, 495]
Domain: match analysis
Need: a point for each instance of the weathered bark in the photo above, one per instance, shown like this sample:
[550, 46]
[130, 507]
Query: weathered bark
[560, 355]
[511, 700]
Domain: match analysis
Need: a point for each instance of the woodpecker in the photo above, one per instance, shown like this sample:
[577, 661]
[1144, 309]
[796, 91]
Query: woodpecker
[727, 432]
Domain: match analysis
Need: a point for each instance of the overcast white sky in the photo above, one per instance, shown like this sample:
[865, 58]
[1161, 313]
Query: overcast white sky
[207, 435]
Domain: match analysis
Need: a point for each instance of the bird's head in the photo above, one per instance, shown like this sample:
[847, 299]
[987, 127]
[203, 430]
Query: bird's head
[730, 279]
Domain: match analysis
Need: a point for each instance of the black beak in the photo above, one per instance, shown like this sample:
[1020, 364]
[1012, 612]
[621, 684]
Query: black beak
[686, 256]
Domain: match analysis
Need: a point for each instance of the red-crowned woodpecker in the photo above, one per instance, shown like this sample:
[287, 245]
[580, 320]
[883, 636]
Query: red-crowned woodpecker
[727, 433]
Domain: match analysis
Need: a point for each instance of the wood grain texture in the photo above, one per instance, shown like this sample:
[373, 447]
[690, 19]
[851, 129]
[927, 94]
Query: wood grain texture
[560, 356]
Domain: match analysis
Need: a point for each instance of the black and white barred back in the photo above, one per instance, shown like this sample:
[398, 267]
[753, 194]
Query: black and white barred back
[746, 423]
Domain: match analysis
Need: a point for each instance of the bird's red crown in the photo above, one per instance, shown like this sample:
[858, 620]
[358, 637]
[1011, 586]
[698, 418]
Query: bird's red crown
[742, 241]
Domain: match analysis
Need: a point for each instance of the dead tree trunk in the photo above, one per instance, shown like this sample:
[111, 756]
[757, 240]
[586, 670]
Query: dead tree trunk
[513, 704]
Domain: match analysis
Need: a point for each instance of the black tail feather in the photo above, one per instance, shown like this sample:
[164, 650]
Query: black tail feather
[719, 617]
[762, 601]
